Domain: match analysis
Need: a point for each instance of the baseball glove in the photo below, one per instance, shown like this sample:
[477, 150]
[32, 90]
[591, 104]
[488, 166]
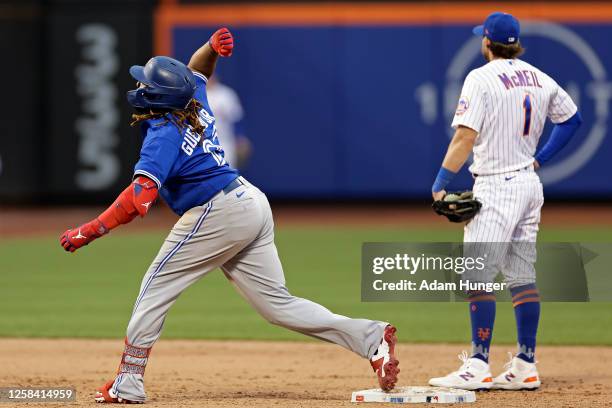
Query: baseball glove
[458, 206]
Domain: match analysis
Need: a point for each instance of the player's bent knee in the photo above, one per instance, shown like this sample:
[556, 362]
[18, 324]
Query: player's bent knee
[277, 311]
[273, 316]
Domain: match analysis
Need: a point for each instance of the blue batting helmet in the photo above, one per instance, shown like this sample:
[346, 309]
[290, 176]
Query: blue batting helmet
[168, 84]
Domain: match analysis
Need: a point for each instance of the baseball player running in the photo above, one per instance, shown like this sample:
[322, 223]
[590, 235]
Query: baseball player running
[500, 116]
[224, 222]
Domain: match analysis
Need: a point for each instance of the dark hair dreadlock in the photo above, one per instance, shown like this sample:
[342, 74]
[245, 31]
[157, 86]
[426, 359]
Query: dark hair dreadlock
[180, 117]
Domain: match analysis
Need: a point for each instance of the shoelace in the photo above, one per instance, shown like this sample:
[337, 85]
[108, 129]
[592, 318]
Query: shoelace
[508, 365]
[465, 358]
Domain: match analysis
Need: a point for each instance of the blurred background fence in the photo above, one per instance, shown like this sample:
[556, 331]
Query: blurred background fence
[342, 100]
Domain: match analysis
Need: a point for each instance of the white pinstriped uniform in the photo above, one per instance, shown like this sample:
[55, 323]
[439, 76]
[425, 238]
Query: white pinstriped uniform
[507, 103]
[225, 103]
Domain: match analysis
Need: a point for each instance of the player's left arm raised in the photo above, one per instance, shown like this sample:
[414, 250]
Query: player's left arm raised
[204, 60]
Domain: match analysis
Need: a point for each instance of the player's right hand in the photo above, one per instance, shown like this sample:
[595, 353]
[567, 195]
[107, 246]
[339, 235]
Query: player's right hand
[73, 239]
[222, 41]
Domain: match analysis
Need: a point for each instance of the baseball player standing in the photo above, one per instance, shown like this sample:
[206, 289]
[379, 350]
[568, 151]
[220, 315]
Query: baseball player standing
[229, 115]
[500, 117]
[224, 222]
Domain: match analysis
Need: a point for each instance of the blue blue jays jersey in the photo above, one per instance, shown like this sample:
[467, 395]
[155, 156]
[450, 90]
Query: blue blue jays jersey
[188, 169]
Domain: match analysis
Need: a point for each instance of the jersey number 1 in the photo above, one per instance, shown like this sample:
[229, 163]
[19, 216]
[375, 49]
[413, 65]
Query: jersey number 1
[527, 109]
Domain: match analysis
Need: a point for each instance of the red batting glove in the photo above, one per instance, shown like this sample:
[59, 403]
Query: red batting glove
[75, 238]
[222, 41]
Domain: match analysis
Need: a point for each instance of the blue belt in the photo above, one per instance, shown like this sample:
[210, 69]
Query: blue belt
[232, 186]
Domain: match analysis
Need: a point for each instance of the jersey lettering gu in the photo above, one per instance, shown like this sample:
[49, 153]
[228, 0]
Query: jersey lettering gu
[188, 169]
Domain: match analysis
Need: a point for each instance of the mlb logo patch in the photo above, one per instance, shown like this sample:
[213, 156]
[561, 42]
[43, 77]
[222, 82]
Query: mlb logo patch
[462, 106]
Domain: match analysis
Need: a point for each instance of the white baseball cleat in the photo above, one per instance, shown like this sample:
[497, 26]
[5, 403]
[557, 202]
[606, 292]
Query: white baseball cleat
[519, 375]
[474, 374]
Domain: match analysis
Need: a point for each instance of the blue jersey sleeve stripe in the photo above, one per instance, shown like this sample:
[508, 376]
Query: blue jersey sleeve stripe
[149, 175]
[200, 75]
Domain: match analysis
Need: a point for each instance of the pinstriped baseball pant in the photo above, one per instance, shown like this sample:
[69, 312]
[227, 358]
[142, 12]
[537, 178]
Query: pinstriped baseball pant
[506, 227]
[234, 231]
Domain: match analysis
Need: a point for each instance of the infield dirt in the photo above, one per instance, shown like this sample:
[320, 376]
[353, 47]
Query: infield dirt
[287, 374]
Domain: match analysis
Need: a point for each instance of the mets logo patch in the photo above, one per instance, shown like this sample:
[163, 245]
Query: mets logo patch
[484, 334]
[462, 106]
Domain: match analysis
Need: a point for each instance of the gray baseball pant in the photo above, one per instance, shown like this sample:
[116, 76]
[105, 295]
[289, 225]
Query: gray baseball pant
[234, 231]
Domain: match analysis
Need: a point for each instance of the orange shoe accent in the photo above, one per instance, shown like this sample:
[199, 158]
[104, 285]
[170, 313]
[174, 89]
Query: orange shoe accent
[103, 396]
[488, 379]
[531, 379]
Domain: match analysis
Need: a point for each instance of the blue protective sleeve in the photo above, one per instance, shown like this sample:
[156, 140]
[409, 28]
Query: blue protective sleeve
[559, 137]
[444, 177]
